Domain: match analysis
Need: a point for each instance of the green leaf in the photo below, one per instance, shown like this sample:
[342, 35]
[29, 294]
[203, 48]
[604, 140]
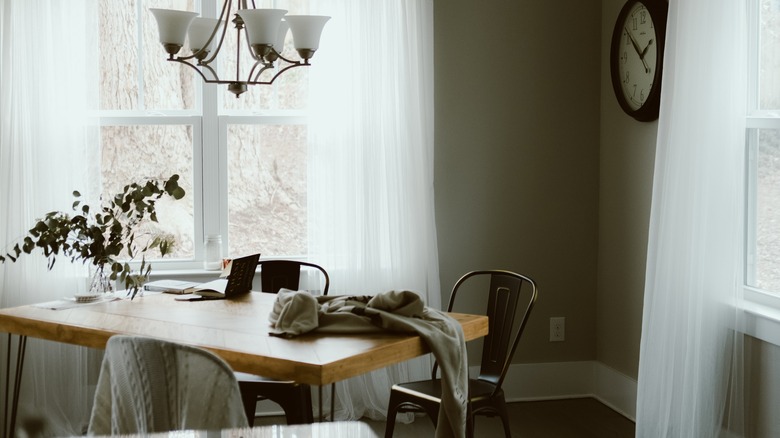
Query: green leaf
[164, 247]
[178, 193]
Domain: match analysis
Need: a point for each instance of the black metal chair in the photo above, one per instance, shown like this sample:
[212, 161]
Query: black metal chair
[293, 397]
[485, 394]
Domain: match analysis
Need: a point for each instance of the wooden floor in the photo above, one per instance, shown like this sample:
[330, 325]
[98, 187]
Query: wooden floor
[571, 418]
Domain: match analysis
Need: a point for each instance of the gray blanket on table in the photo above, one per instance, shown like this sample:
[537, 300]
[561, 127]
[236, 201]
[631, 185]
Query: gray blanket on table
[298, 312]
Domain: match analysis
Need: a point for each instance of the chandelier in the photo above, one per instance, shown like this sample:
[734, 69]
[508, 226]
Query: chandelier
[264, 31]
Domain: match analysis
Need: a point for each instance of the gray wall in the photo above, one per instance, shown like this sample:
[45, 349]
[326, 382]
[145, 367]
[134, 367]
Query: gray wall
[627, 157]
[517, 156]
[539, 171]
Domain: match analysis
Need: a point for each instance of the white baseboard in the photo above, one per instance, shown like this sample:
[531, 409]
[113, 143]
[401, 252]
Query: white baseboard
[554, 380]
[558, 380]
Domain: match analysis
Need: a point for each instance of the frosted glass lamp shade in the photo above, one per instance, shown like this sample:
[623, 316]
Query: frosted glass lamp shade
[200, 31]
[172, 25]
[280, 36]
[262, 25]
[306, 30]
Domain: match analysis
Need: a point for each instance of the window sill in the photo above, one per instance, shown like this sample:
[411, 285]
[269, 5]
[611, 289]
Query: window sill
[761, 313]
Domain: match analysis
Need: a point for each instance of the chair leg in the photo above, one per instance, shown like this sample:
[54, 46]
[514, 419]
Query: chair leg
[396, 402]
[392, 411]
[470, 418]
[249, 399]
[295, 401]
[291, 404]
[500, 407]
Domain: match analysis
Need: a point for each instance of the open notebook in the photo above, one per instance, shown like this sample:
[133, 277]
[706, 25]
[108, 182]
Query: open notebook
[235, 280]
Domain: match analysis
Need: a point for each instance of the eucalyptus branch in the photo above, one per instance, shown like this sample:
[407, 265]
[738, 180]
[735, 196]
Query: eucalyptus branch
[101, 238]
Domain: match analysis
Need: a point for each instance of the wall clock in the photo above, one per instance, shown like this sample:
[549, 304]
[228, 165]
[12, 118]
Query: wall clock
[636, 57]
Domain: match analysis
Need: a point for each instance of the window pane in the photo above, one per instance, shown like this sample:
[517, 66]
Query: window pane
[267, 189]
[769, 75]
[166, 85]
[135, 153]
[118, 55]
[767, 263]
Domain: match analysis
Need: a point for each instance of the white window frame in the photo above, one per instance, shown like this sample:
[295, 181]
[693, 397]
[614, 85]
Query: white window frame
[761, 316]
[209, 124]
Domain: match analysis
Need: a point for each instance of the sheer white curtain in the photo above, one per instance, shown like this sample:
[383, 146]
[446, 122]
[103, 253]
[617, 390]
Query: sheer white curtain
[46, 147]
[690, 358]
[371, 215]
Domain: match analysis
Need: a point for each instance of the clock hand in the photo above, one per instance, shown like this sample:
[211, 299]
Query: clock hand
[633, 42]
[644, 52]
[638, 51]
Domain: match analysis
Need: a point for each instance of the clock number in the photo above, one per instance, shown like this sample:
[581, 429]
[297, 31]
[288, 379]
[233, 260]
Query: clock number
[634, 25]
[642, 95]
[643, 17]
[627, 80]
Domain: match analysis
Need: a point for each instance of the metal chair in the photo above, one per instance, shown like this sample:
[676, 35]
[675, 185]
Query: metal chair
[485, 394]
[293, 397]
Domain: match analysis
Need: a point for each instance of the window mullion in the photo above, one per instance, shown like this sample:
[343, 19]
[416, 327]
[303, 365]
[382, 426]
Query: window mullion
[213, 221]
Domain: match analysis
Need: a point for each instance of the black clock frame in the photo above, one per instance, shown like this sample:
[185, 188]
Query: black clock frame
[658, 10]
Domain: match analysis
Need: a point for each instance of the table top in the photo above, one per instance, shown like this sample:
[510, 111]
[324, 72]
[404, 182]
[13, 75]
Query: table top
[235, 329]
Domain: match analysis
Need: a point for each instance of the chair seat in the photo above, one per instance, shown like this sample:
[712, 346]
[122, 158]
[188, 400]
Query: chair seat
[432, 389]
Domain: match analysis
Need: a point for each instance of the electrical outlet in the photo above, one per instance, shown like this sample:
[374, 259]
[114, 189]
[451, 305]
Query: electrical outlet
[557, 329]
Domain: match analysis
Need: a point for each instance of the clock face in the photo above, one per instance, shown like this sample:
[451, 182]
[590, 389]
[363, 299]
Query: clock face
[637, 56]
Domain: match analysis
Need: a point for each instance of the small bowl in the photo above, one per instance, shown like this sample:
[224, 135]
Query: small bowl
[86, 298]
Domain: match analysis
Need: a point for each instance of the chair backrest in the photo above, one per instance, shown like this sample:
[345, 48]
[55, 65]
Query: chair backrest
[278, 274]
[147, 385]
[508, 293]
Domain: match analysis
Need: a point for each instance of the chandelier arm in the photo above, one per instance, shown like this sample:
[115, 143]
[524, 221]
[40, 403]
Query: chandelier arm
[238, 51]
[216, 79]
[254, 67]
[290, 61]
[223, 18]
[298, 64]
[213, 73]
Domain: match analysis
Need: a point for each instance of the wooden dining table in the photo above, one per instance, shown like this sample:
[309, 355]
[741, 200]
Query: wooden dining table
[237, 330]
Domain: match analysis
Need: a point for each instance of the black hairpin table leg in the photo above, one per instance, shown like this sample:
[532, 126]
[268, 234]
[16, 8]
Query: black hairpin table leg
[332, 401]
[10, 428]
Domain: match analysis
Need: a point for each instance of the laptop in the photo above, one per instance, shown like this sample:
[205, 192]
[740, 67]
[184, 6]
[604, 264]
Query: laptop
[234, 281]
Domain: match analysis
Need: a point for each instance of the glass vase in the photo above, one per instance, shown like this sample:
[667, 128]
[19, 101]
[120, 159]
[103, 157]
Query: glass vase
[100, 283]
